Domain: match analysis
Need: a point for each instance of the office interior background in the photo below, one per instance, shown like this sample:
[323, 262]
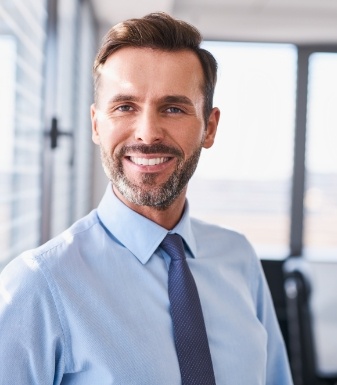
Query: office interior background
[272, 173]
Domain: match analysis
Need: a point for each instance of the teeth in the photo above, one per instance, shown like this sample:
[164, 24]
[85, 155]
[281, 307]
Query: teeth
[148, 162]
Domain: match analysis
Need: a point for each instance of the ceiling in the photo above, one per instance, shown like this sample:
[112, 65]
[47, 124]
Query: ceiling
[295, 21]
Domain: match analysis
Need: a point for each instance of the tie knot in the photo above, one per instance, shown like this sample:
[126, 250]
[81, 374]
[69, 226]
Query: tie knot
[173, 246]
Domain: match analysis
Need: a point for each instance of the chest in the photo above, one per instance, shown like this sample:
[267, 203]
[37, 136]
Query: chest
[121, 329]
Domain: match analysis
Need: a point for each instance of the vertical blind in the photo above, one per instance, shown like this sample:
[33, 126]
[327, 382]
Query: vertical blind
[22, 39]
[23, 146]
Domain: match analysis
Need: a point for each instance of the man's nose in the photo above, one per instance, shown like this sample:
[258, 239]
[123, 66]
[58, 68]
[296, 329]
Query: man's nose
[149, 129]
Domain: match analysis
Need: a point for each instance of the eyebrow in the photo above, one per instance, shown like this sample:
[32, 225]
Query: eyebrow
[179, 99]
[122, 98]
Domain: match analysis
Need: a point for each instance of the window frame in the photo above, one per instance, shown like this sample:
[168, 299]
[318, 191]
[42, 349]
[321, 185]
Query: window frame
[297, 215]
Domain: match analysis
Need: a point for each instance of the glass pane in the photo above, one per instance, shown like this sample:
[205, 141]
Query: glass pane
[243, 181]
[72, 159]
[62, 181]
[321, 162]
[83, 159]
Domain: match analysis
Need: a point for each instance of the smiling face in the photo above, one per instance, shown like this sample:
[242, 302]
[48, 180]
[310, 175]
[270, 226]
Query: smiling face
[149, 123]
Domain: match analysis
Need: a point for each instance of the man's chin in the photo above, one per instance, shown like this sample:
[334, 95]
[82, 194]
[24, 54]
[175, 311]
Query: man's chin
[145, 195]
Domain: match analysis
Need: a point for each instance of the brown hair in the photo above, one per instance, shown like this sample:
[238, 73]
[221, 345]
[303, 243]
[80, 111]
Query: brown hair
[159, 31]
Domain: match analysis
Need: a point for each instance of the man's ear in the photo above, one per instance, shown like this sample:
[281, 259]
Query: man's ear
[212, 126]
[94, 124]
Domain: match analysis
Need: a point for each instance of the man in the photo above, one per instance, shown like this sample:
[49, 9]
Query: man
[92, 306]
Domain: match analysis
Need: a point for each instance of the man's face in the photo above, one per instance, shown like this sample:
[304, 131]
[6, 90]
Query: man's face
[149, 123]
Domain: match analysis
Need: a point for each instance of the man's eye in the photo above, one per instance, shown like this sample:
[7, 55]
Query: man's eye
[174, 110]
[125, 108]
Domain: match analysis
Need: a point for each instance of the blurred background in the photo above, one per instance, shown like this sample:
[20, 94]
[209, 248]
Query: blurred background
[272, 173]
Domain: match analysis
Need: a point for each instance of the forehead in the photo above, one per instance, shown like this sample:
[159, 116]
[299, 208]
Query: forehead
[154, 69]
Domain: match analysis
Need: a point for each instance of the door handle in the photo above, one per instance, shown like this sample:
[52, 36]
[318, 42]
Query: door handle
[55, 133]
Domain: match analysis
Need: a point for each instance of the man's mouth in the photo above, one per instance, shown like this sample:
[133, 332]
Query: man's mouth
[148, 161]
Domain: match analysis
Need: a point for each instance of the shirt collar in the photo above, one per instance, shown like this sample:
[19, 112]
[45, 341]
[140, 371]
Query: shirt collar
[137, 233]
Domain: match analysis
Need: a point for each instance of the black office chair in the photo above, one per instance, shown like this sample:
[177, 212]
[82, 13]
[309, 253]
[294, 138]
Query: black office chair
[302, 352]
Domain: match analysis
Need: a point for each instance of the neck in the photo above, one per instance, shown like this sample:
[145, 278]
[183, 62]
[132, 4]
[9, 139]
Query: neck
[167, 218]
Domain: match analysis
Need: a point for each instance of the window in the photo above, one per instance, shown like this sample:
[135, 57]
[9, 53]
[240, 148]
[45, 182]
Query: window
[22, 39]
[244, 181]
[43, 191]
[70, 168]
[320, 226]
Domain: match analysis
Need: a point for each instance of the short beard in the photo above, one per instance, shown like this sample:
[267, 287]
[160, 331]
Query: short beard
[160, 196]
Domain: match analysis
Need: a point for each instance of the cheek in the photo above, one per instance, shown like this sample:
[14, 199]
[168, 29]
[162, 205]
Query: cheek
[110, 143]
[110, 136]
[191, 141]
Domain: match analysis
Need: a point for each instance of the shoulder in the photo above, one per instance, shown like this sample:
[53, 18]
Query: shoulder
[32, 276]
[229, 250]
[68, 245]
[216, 236]
[33, 265]
[83, 229]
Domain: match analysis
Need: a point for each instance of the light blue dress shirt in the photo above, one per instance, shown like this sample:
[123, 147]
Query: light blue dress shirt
[90, 307]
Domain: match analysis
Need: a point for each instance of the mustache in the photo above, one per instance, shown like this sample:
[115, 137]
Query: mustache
[150, 149]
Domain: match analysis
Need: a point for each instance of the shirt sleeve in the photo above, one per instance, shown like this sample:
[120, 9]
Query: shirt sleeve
[32, 342]
[278, 369]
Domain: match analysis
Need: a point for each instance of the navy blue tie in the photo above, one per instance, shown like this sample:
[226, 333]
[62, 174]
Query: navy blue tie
[188, 322]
